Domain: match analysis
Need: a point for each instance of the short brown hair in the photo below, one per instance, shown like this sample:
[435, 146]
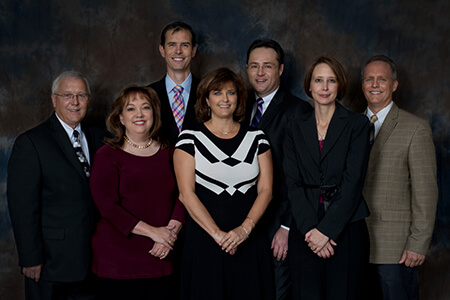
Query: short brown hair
[113, 120]
[214, 81]
[337, 69]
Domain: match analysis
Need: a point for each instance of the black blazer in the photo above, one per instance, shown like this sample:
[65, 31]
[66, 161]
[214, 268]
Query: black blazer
[52, 213]
[273, 123]
[169, 127]
[343, 162]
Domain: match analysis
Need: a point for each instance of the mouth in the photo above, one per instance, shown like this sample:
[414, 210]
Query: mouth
[224, 106]
[74, 110]
[374, 93]
[178, 59]
[260, 80]
[139, 123]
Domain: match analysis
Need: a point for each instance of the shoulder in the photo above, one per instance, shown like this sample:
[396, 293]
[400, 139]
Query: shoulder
[158, 85]
[352, 117]
[409, 118]
[296, 102]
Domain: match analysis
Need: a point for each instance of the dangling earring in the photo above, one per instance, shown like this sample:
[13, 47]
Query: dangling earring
[209, 111]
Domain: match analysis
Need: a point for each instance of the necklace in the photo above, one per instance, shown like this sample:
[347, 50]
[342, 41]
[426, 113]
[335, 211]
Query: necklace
[135, 145]
[321, 135]
[226, 133]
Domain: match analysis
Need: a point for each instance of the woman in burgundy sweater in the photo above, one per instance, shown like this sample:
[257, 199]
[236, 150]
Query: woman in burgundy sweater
[134, 188]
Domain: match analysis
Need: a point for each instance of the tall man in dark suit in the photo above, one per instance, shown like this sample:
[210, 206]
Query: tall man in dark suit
[49, 199]
[177, 90]
[400, 188]
[270, 109]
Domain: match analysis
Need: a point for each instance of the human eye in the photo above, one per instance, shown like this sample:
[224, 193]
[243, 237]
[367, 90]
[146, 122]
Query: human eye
[253, 67]
[268, 67]
[130, 108]
[382, 79]
[147, 107]
[82, 97]
[217, 93]
[318, 80]
[231, 92]
[67, 96]
[332, 80]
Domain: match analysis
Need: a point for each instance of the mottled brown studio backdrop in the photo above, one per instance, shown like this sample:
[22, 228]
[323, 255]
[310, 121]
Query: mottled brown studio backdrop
[115, 43]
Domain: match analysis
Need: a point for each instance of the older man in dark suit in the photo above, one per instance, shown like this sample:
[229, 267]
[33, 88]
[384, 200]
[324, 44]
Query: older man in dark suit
[177, 89]
[270, 109]
[49, 200]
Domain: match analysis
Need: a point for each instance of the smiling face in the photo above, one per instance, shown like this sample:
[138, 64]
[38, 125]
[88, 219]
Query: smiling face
[71, 111]
[378, 85]
[137, 117]
[223, 102]
[264, 71]
[324, 85]
[178, 52]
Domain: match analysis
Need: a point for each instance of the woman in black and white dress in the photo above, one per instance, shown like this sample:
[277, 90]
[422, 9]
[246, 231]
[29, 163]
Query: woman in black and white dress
[224, 174]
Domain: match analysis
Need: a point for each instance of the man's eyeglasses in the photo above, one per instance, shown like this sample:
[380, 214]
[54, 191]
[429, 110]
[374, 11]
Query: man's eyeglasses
[68, 97]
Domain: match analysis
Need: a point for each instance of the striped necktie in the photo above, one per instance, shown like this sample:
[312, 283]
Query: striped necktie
[258, 113]
[373, 119]
[178, 106]
[80, 154]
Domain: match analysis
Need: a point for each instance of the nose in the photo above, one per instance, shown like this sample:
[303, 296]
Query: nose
[74, 100]
[325, 85]
[375, 83]
[178, 49]
[260, 70]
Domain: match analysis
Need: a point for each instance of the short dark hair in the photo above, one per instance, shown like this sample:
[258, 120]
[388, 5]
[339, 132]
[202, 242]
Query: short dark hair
[382, 58]
[337, 69]
[177, 26]
[113, 120]
[214, 81]
[267, 43]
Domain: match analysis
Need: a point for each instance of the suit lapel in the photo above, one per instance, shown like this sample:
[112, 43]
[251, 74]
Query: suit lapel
[272, 110]
[63, 141]
[308, 129]
[386, 129]
[335, 129]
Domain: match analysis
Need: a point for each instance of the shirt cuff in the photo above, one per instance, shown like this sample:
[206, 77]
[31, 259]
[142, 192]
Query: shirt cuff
[285, 227]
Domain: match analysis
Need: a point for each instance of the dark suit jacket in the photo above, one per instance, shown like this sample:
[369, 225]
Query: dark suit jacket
[50, 203]
[343, 162]
[169, 127]
[273, 123]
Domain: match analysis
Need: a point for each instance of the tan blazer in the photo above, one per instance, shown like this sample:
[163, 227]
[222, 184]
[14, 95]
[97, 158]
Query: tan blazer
[400, 188]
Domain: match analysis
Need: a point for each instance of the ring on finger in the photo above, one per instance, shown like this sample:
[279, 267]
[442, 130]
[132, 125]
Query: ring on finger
[234, 242]
[172, 231]
[170, 242]
[285, 251]
[163, 253]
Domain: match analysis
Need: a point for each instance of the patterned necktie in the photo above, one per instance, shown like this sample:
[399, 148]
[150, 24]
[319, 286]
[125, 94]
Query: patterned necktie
[79, 151]
[373, 119]
[258, 113]
[178, 106]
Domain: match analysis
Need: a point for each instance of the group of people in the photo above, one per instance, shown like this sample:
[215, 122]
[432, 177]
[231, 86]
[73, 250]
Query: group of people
[203, 190]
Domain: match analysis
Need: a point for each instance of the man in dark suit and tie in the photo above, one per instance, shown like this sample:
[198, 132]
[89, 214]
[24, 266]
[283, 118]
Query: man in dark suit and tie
[400, 188]
[177, 89]
[270, 108]
[49, 199]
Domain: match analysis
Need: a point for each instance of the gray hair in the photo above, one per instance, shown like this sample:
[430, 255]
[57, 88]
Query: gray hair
[382, 58]
[69, 74]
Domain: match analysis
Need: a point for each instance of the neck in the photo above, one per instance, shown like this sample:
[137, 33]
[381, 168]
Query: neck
[138, 138]
[223, 126]
[324, 113]
[376, 108]
[178, 76]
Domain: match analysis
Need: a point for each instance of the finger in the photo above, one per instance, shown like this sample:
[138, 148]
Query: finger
[285, 252]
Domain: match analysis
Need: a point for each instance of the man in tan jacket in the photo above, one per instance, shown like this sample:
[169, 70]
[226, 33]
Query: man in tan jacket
[400, 186]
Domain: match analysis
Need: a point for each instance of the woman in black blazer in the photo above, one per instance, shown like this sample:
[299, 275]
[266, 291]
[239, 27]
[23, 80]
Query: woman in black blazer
[326, 154]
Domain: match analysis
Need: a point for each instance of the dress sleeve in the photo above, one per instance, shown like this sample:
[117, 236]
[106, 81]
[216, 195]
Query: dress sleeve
[104, 183]
[186, 141]
[263, 142]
